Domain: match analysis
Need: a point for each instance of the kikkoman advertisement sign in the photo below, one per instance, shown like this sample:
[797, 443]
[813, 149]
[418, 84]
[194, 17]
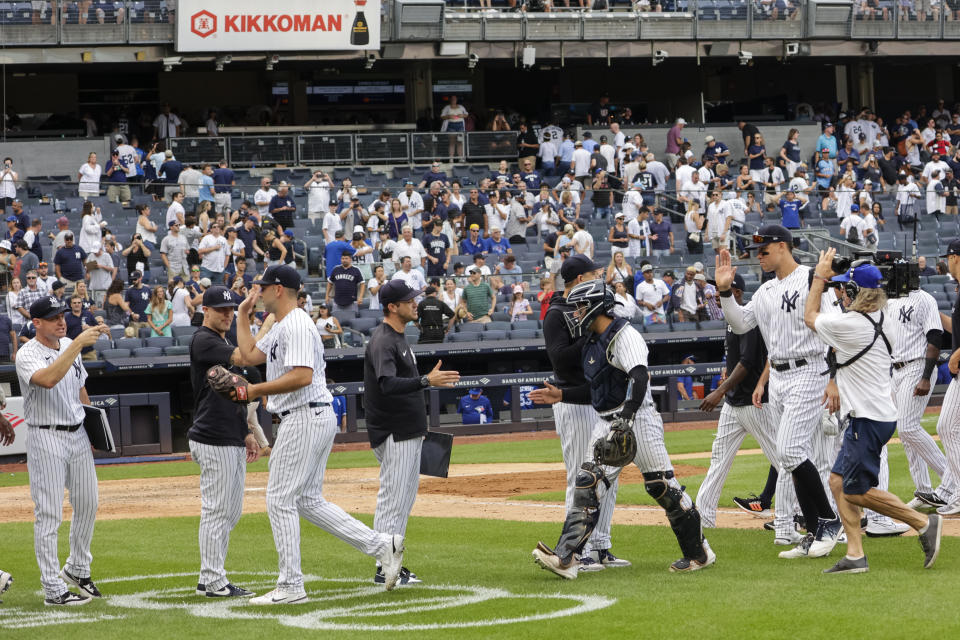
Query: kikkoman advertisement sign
[228, 26]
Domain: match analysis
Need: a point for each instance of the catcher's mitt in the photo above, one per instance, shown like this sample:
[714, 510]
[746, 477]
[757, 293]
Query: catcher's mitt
[231, 386]
[619, 447]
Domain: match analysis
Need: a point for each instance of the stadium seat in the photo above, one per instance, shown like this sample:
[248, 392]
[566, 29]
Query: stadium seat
[113, 354]
[176, 350]
[148, 352]
[144, 332]
[129, 343]
[498, 326]
[526, 324]
[364, 325]
[463, 337]
[470, 327]
[116, 332]
[184, 340]
[500, 316]
[186, 330]
[684, 326]
[522, 334]
[159, 341]
[657, 328]
[371, 313]
[496, 334]
[713, 324]
[103, 343]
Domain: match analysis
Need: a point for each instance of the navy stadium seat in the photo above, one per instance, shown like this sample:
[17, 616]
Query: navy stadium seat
[112, 354]
[148, 352]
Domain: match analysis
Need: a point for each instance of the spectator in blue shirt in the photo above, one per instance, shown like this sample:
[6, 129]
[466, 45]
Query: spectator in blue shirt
[69, 260]
[138, 297]
[529, 175]
[13, 233]
[718, 150]
[567, 148]
[473, 243]
[339, 406]
[205, 192]
[170, 171]
[8, 340]
[434, 175]
[848, 153]
[496, 243]
[282, 207]
[475, 408]
[790, 210]
[825, 169]
[588, 142]
[828, 141]
[661, 235]
[685, 383]
[117, 189]
[334, 250]
[224, 179]
[77, 320]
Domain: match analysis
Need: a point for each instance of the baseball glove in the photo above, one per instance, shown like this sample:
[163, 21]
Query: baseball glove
[618, 447]
[231, 386]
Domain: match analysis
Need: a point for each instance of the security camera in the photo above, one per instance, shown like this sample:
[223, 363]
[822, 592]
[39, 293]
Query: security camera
[659, 56]
[745, 58]
[791, 49]
[472, 61]
[222, 60]
[370, 59]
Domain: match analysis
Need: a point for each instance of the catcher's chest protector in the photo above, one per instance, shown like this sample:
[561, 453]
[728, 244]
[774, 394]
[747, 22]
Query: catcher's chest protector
[608, 385]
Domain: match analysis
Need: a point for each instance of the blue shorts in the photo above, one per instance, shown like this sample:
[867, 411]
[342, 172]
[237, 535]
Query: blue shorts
[859, 458]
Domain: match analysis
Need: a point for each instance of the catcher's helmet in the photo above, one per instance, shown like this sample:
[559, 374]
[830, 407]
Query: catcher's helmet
[591, 299]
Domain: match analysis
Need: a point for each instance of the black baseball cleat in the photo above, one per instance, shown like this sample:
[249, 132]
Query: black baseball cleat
[753, 506]
[201, 589]
[846, 565]
[66, 599]
[801, 523]
[406, 577]
[930, 499]
[230, 591]
[769, 525]
[85, 585]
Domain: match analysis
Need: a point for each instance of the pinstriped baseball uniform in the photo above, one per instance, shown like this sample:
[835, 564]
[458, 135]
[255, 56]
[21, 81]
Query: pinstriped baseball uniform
[915, 315]
[574, 422]
[216, 444]
[627, 351]
[57, 459]
[738, 417]
[303, 444]
[795, 394]
[948, 425]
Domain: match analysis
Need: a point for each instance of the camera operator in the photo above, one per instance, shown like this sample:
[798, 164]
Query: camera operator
[863, 359]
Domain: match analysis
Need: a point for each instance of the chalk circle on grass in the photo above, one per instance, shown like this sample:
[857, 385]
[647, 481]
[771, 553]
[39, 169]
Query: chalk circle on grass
[354, 604]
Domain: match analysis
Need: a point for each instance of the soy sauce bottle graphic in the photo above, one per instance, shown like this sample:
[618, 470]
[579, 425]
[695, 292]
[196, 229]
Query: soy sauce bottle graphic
[360, 31]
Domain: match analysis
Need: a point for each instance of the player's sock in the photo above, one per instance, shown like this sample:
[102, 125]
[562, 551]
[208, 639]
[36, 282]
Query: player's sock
[808, 475]
[806, 502]
[766, 497]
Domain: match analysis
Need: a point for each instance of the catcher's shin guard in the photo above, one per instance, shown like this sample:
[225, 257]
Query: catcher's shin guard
[681, 512]
[584, 514]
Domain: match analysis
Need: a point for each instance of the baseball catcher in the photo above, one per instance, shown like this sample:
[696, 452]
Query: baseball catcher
[629, 428]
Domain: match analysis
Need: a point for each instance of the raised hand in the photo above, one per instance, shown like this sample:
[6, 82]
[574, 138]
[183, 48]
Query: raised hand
[724, 270]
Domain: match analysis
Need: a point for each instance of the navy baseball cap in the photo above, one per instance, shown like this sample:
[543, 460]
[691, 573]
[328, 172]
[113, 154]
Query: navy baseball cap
[953, 249]
[171, 223]
[46, 308]
[220, 296]
[769, 233]
[577, 266]
[738, 282]
[475, 391]
[868, 276]
[280, 274]
[397, 291]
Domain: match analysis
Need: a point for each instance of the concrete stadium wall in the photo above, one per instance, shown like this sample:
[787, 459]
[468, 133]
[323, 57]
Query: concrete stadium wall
[54, 157]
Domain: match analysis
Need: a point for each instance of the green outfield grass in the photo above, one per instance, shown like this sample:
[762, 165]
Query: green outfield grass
[678, 442]
[749, 593]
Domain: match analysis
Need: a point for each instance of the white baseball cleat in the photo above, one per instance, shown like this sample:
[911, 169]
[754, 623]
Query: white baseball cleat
[280, 596]
[788, 538]
[391, 561]
[5, 581]
[886, 528]
[552, 562]
[826, 538]
[802, 550]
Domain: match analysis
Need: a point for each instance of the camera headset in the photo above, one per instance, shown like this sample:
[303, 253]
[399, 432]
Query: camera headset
[850, 287]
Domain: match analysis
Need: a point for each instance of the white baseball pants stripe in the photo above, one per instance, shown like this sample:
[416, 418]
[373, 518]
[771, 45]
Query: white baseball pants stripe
[796, 402]
[223, 470]
[948, 426]
[295, 488]
[399, 480]
[919, 446]
[734, 424]
[58, 459]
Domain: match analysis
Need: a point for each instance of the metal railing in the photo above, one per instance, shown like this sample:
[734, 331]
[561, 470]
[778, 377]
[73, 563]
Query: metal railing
[347, 148]
[153, 22]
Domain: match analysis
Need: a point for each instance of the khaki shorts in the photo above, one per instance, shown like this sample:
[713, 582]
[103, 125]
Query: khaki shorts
[118, 193]
[951, 209]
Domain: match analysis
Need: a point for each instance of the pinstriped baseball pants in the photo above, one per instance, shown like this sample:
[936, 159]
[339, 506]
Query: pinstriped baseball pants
[948, 426]
[295, 489]
[223, 470]
[574, 425]
[58, 459]
[734, 424]
[921, 450]
[399, 480]
[796, 406]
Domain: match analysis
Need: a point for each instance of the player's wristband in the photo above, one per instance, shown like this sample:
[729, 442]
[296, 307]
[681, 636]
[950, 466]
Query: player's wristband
[725, 293]
[928, 365]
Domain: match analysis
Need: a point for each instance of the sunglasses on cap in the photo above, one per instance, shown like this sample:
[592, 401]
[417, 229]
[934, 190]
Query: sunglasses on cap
[759, 239]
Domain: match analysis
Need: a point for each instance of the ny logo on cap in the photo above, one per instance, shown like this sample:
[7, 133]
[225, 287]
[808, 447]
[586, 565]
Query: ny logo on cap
[53, 301]
[227, 296]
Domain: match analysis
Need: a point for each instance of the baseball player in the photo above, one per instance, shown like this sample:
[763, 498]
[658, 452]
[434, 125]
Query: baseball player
[574, 419]
[629, 428]
[798, 385]
[746, 360]
[862, 364]
[396, 412]
[52, 378]
[948, 425]
[916, 349]
[220, 443]
[7, 437]
[296, 390]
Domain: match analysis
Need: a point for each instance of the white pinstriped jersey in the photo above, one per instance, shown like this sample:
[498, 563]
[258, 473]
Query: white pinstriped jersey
[628, 350]
[295, 342]
[59, 405]
[777, 308]
[914, 315]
